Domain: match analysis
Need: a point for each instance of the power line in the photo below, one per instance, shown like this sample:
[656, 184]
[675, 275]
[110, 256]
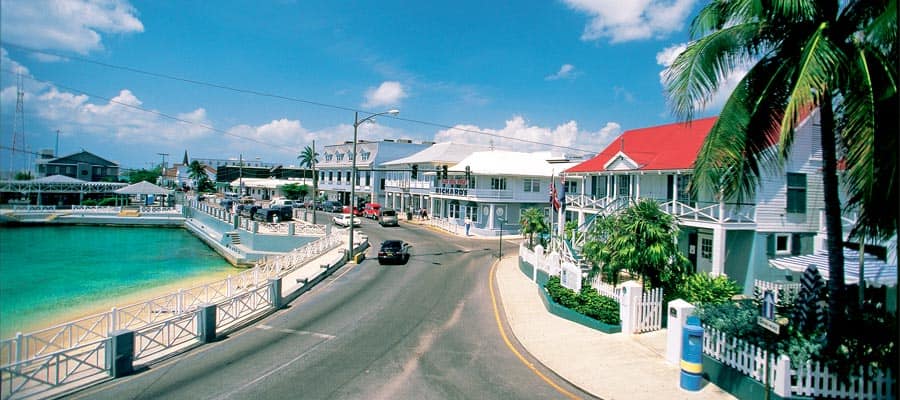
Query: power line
[280, 97]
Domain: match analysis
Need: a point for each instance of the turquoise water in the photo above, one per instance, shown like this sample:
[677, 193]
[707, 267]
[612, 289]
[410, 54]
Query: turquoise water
[52, 271]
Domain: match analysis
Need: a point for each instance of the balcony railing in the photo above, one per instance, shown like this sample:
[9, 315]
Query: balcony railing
[698, 211]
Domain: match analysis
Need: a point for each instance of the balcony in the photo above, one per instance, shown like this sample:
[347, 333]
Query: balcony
[697, 211]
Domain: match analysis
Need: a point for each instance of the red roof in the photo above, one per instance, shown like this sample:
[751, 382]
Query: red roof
[665, 147]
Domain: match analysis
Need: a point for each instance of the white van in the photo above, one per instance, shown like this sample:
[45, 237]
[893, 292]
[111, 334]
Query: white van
[281, 202]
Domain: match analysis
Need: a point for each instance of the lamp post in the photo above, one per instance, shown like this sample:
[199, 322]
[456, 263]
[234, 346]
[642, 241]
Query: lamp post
[501, 220]
[356, 123]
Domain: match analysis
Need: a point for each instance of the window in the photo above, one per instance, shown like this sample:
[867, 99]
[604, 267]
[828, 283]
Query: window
[796, 193]
[571, 186]
[498, 183]
[598, 186]
[328, 156]
[453, 212]
[340, 156]
[782, 244]
[706, 248]
[684, 194]
[348, 176]
[330, 176]
[365, 155]
[472, 213]
[532, 185]
[624, 184]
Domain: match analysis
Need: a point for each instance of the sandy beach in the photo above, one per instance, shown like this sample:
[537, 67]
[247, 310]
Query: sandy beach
[103, 305]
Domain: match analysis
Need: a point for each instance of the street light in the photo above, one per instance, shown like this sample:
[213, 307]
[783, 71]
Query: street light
[501, 220]
[356, 123]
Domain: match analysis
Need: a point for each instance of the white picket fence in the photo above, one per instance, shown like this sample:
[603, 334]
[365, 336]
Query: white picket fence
[641, 312]
[790, 290]
[811, 379]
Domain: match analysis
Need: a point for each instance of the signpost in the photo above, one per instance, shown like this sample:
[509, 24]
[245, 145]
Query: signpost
[767, 314]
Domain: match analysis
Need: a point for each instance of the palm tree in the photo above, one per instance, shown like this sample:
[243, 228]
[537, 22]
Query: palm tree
[196, 172]
[533, 221]
[837, 56]
[643, 242]
[308, 159]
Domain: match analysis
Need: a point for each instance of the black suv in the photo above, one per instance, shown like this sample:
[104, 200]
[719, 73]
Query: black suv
[393, 251]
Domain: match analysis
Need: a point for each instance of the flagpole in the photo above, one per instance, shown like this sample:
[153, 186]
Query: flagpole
[552, 194]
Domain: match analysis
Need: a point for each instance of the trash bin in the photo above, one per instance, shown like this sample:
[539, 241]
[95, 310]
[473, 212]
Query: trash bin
[692, 355]
[409, 215]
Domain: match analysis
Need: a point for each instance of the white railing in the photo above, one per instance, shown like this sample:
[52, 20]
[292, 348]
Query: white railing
[34, 208]
[160, 338]
[788, 290]
[158, 210]
[35, 377]
[96, 209]
[811, 379]
[607, 290]
[717, 212]
[447, 224]
[234, 310]
[135, 316]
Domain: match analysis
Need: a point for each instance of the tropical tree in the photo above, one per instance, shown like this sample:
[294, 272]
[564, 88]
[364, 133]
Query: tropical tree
[837, 56]
[144, 175]
[644, 243]
[533, 221]
[595, 249]
[196, 171]
[295, 191]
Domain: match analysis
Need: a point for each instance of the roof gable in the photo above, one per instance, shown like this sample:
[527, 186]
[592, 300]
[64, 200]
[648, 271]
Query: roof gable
[83, 157]
[665, 147]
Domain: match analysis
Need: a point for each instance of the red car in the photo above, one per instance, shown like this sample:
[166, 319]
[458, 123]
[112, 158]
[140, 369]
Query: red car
[356, 211]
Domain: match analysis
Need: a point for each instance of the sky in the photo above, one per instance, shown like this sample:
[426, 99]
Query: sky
[128, 80]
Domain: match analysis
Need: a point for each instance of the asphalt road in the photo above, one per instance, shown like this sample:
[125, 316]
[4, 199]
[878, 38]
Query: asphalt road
[424, 330]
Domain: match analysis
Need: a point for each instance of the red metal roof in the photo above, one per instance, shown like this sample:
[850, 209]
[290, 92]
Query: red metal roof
[665, 147]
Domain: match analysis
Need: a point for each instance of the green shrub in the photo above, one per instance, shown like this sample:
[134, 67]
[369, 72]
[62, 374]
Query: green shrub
[107, 202]
[704, 289]
[598, 307]
[89, 202]
[588, 302]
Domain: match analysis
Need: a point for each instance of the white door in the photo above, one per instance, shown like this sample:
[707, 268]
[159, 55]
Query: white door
[704, 252]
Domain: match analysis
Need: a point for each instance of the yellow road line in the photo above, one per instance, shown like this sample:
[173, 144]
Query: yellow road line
[509, 344]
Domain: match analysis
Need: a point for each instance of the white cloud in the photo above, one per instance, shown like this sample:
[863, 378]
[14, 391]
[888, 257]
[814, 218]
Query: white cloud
[389, 93]
[68, 25]
[714, 103]
[566, 71]
[623, 21]
[565, 135]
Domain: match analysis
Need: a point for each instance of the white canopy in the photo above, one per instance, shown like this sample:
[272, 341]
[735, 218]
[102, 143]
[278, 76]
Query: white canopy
[142, 187]
[877, 271]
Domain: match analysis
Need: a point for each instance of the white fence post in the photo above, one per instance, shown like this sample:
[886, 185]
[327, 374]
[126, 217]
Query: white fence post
[782, 384]
[113, 320]
[538, 261]
[629, 305]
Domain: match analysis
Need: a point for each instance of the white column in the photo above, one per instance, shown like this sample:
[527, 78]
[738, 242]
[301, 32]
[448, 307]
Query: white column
[490, 220]
[637, 187]
[675, 188]
[628, 308]
[718, 256]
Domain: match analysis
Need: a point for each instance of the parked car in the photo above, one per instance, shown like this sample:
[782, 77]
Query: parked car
[345, 220]
[331, 206]
[283, 202]
[371, 210]
[396, 251]
[388, 217]
[247, 211]
[356, 211]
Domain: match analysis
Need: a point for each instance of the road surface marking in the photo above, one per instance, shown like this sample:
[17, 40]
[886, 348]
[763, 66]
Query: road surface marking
[509, 344]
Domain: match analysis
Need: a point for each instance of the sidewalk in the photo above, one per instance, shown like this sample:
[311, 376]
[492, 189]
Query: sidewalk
[609, 366]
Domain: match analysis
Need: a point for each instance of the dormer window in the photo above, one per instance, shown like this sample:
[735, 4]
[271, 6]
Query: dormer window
[328, 156]
[340, 156]
[365, 155]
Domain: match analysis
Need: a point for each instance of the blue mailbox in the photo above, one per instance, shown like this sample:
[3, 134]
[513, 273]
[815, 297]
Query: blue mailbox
[692, 355]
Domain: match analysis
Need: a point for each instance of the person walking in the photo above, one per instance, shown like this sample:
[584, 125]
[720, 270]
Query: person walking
[468, 225]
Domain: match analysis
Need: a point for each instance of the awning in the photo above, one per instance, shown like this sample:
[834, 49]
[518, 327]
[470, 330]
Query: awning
[142, 187]
[877, 271]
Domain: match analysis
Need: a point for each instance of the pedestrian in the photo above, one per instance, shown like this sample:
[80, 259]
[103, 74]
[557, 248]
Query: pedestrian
[424, 214]
[468, 225]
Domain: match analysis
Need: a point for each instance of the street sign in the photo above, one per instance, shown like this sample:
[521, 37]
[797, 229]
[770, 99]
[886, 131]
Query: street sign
[768, 324]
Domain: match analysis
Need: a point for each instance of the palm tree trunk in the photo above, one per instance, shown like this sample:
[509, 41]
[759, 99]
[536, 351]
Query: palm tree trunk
[836, 287]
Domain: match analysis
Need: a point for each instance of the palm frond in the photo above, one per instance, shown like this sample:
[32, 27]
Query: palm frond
[696, 73]
[816, 70]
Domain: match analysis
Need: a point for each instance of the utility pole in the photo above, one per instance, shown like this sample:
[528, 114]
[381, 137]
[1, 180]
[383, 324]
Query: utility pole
[162, 169]
[315, 183]
[18, 136]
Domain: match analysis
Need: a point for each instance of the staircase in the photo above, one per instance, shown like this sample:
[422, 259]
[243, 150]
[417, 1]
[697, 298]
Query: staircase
[235, 238]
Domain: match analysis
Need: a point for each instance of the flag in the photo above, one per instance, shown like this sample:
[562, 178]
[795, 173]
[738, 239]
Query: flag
[562, 192]
[554, 196]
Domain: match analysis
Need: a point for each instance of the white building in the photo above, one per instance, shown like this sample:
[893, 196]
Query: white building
[402, 191]
[335, 164]
[498, 187]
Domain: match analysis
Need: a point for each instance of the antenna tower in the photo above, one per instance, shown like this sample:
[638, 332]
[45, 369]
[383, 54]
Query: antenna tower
[18, 137]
